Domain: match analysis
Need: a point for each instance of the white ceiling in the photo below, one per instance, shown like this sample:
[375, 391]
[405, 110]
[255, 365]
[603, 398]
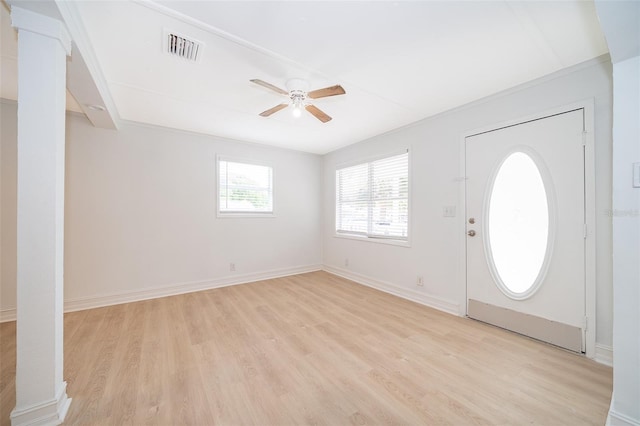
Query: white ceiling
[399, 62]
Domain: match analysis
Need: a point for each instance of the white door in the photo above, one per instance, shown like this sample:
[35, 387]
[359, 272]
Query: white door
[525, 214]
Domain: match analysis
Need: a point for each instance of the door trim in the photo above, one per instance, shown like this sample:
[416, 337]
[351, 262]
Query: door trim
[587, 105]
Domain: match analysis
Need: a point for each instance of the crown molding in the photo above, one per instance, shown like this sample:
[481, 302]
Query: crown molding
[27, 20]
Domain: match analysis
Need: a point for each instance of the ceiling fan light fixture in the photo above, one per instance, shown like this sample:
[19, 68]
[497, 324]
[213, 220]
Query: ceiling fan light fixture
[297, 100]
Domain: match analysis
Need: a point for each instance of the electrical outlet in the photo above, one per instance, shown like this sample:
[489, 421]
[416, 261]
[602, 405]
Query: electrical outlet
[420, 281]
[346, 262]
[232, 267]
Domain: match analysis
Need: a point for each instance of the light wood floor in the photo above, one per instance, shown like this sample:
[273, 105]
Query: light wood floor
[309, 349]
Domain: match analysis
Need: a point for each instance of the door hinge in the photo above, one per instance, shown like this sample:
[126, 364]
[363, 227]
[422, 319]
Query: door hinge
[585, 323]
[584, 138]
[585, 231]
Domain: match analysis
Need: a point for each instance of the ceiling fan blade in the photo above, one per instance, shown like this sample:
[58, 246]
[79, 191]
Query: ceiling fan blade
[273, 110]
[327, 91]
[317, 113]
[270, 86]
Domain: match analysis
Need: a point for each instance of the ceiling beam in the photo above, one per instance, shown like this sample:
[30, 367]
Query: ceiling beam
[85, 79]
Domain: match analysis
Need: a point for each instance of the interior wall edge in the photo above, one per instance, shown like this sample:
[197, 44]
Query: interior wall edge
[80, 304]
[604, 354]
[213, 137]
[619, 419]
[438, 303]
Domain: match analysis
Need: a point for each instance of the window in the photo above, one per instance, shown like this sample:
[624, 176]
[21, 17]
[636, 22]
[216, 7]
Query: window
[518, 225]
[372, 199]
[244, 188]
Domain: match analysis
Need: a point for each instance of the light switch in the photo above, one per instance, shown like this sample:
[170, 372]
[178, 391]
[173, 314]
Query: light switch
[636, 175]
[449, 211]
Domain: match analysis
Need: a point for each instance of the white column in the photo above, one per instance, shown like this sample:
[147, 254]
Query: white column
[43, 46]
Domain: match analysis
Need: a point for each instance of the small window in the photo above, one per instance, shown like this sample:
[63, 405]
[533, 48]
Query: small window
[518, 226]
[244, 188]
[372, 199]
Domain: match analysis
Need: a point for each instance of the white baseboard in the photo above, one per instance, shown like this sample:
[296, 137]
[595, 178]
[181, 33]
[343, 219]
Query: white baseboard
[50, 412]
[8, 314]
[79, 304]
[618, 419]
[604, 354]
[424, 299]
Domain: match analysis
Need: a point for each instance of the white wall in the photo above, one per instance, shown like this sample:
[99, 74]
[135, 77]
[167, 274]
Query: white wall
[436, 242]
[621, 25]
[625, 406]
[141, 221]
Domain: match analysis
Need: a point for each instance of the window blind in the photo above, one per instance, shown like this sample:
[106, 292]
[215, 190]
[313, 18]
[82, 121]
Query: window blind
[244, 188]
[372, 199]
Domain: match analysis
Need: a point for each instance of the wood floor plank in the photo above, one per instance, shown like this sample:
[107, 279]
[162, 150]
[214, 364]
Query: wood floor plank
[313, 349]
[7, 370]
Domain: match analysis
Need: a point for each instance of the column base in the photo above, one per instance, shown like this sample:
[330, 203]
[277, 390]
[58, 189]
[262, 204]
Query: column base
[50, 412]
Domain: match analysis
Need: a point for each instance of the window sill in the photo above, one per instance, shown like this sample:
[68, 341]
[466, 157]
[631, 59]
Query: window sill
[244, 215]
[387, 241]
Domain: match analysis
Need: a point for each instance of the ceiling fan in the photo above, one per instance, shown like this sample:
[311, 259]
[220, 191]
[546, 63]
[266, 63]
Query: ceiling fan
[298, 97]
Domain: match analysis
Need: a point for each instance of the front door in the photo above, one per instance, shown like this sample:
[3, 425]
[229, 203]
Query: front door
[525, 223]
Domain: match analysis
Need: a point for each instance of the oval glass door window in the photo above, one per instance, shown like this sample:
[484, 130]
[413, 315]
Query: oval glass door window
[518, 224]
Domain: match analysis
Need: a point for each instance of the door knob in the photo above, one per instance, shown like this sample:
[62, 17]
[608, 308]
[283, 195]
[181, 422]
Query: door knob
[471, 233]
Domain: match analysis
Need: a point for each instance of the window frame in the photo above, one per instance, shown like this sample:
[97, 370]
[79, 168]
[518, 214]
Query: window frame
[247, 214]
[390, 240]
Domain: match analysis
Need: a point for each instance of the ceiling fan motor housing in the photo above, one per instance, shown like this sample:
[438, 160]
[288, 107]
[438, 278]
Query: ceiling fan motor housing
[297, 85]
[298, 92]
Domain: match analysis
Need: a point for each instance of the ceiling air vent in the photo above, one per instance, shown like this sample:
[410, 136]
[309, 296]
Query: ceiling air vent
[182, 47]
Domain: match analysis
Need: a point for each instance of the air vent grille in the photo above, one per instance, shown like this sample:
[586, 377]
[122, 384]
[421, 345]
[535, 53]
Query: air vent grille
[182, 47]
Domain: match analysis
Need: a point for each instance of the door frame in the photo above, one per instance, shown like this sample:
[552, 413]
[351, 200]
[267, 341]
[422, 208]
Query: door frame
[588, 107]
